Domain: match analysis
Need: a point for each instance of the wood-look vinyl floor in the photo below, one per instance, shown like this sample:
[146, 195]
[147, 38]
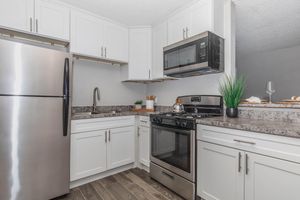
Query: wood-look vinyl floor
[134, 184]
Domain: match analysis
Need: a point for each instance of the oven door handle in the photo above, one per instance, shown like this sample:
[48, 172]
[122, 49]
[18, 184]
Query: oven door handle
[173, 129]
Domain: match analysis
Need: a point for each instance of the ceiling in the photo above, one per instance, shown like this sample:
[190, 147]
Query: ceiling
[131, 12]
[264, 25]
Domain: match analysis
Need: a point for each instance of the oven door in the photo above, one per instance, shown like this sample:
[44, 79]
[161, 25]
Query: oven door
[174, 149]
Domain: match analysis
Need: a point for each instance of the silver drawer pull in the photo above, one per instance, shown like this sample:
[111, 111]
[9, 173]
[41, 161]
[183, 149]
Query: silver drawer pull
[143, 121]
[168, 175]
[246, 142]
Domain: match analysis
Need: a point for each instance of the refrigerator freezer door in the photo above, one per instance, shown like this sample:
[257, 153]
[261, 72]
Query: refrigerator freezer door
[30, 70]
[34, 152]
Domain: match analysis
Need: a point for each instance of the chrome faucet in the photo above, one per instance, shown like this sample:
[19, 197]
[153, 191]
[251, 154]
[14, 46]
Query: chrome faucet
[95, 98]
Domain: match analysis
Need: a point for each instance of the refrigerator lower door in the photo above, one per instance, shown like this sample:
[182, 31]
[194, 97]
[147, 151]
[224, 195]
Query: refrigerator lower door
[34, 154]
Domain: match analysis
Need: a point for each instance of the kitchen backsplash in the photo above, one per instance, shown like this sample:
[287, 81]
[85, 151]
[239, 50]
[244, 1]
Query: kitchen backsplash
[105, 109]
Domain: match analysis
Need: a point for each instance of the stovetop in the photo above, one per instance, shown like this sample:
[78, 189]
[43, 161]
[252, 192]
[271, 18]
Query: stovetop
[195, 107]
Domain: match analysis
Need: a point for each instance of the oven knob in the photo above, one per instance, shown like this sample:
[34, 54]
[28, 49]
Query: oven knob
[177, 122]
[183, 124]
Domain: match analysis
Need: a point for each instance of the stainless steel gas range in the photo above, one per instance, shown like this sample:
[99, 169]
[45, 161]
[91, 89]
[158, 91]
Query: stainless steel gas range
[173, 143]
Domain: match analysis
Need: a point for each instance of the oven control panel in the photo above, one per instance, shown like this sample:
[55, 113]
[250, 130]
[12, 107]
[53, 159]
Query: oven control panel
[173, 122]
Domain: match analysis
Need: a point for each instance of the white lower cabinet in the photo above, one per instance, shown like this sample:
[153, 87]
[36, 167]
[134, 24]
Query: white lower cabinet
[219, 175]
[239, 168]
[98, 145]
[144, 145]
[271, 179]
[88, 154]
[120, 146]
[144, 141]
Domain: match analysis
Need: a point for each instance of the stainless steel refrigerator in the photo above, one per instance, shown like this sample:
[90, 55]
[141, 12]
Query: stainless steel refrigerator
[34, 122]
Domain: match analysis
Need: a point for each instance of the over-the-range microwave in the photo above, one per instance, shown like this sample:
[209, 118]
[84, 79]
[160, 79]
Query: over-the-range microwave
[197, 55]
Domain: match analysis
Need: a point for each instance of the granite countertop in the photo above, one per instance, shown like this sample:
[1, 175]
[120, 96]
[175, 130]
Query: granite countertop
[281, 128]
[78, 116]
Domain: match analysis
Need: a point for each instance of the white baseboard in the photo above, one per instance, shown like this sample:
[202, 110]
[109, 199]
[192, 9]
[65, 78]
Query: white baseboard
[95, 177]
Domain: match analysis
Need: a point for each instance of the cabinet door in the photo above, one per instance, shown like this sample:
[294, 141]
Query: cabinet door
[159, 41]
[140, 46]
[52, 19]
[88, 154]
[270, 178]
[177, 25]
[144, 145]
[201, 17]
[17, 14]
[86, 34]
[220, 172]
[115, 42]
[121, 146]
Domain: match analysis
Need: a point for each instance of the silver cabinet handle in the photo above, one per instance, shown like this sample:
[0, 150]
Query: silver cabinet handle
[246, 142]
[149, 74]
[37, 25]
[109, 135]
[31, 24]
[187, 32]
[183, 32]
[240, 160]
[138, 132]
[105, 136]
[105, 52]
[247, 162]
[101, 51]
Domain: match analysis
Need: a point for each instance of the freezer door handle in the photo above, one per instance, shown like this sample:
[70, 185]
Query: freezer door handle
[66, 99]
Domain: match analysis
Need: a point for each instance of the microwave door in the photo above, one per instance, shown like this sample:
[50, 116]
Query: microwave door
[188, 55]
[171, 59]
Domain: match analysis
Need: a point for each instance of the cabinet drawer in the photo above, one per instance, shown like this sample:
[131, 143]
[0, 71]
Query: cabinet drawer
[271, 145]
[84, 125]
[144, 121]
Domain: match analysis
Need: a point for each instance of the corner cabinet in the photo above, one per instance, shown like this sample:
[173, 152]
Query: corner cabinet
[140, 55]
[241, 165]
[99, 145]
[95, 37]
[43, 17]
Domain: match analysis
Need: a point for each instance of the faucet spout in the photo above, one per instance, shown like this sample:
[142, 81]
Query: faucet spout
[96, 96]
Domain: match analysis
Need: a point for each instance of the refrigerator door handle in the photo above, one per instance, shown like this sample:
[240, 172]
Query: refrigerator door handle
[66, 98]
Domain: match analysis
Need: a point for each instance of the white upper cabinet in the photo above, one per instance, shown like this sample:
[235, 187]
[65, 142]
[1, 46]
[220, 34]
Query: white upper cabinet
[52, 19]
[17, 14]
[115, 42]
[45, 17]
[86, 34]
[96, 37]
[203, 15]
[140, 57]
[178, 26]
[159, 41]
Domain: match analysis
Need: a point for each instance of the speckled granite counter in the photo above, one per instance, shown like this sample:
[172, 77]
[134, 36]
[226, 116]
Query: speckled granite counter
[78, 116]
[281, 128]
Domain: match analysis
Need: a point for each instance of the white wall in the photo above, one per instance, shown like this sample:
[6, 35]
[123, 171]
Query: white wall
[167, 92]
[108, 78]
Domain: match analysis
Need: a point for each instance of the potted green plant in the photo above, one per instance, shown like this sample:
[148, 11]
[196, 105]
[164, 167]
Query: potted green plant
[138, 104]
[232, 90]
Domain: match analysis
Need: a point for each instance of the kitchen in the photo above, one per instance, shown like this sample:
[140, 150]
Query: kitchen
[74, 69]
